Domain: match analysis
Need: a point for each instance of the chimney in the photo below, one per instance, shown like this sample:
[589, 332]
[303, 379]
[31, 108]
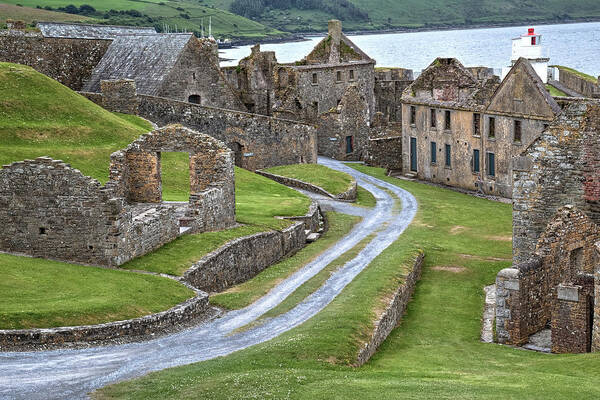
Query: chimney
[335, 33]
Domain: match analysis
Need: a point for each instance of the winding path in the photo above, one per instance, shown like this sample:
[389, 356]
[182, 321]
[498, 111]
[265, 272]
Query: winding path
[74, 373]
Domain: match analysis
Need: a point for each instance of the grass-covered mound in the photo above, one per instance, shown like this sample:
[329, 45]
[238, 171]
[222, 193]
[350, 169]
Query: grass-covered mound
[435, 352]
[335, 182]
[39, 117]
[40, 293]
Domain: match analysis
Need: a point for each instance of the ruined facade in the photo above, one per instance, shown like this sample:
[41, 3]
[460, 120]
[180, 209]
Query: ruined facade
[50, 210]
[389, 86]
[555, 237]
[461, 128]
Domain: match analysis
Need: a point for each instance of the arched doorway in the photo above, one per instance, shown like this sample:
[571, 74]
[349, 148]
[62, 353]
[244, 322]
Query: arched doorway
[194, 98]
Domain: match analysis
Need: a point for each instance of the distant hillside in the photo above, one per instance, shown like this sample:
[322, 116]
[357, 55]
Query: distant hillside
[188, 15]
[268, 19]
[29, 15]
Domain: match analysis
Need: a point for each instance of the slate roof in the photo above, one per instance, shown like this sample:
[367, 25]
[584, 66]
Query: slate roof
[147, 59]
[88, 31]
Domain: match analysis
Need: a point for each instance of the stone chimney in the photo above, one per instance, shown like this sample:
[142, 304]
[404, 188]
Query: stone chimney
[335, 33]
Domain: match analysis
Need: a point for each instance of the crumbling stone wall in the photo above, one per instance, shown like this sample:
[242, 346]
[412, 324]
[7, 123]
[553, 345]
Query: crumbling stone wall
[349, 121]
[555, 285]
[119, 96]
[385, 153]
[389, 85]
[258, 141]
[558, 168]
[580, 85]
[69, 61]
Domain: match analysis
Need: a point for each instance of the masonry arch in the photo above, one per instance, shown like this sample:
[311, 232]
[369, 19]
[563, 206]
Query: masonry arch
[194, 98]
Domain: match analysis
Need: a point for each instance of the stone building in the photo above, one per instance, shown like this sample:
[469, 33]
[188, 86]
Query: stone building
[176, 66]
[461, 127]
[556, 237]
[50, 210]
[389, 86]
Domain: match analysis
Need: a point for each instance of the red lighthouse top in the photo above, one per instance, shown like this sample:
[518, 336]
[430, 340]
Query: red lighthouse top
[531, 31]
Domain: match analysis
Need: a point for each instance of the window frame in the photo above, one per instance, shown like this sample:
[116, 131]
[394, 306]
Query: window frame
[432, 118]
[476, 167]
[315, 78]
[448, 120]
[413, 115]
[433, 152]
[491, 134]
[517, 128]
[490, 161]
[477, 124]
[339, 77]
[448, 158]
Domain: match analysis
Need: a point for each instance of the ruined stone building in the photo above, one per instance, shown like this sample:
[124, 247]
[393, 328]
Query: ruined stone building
[461, 128]
[554, 277]
[50, 210]
[178, 66]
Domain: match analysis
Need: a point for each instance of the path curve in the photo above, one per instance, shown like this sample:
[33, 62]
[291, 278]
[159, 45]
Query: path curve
[73, 373]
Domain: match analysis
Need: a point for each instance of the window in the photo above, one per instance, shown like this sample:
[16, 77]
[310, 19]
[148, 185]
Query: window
[448, 122]
[413, 115]
[448, 156]
[351, 74]
[492, 128]
[517, 135]
[546, 126]
[491, 164]
[476, 124]
[433, 153]
[476, 160]
[338, 76]
[42, 231]
[194, 75]
[315, 78]
[433, 118]
[349, 144]
[194, 99]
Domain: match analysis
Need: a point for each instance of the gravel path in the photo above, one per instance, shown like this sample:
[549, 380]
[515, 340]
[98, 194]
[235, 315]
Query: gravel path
[73, 373]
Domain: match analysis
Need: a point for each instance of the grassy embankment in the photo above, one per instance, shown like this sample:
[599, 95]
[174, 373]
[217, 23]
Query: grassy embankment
[435, 352]
[554, 91]
[580, 74]
[29, 15]
[40, 117]
[334, 182]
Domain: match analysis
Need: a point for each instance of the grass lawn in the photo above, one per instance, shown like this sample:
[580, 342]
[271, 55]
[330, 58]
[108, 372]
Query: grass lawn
[29, 14]
[334, 182]
[364, 198]
[554, 91]
[246, 293]
[580, 74]
[42, 293]
[435, 352]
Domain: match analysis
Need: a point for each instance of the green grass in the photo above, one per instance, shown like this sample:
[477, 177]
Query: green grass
[28, 15]
[62, 124]
[580, 74]
[335, 182]
[40, 293]
[435, 352]
[554, 91]
[364, 198]
[244, 294]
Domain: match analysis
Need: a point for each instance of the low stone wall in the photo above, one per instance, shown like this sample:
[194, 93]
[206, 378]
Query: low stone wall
[393, 312]
[243, 258]
[348, 195]
[26, 339]
[578, 84]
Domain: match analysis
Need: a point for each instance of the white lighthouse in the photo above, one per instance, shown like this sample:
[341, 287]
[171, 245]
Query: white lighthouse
[529, 46]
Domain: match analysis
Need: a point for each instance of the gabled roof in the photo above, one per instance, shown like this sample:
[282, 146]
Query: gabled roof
[523, 83]
[148, 59]
[89, 31]
[447, 83]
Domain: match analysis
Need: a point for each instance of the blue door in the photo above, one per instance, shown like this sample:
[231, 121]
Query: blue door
[413, 154]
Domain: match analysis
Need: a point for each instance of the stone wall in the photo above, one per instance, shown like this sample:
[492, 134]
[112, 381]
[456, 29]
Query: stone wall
[580, 85]
[385, 153]
[389, 85]
[258, 141]
[391, 316]
[243, 258]
[69, 61]
[25, 339]
[119, 96]
[348, 195]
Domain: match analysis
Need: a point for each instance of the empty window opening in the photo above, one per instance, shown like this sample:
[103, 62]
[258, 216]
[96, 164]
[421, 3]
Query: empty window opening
[338, 76]
[433, 152]
[42, 231]
[433, 122]
[193, 75]
[448, 121]
[413, 115]
[491, 164]
[448, 156]
[518, 132]
[90, 247]
[492, 127]
[476, 167]
[576, 258]
[476, 124]
[195, 98]
[349, 144]
[315, 78]
[175, 176]
[238, 153]
[351, 73]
